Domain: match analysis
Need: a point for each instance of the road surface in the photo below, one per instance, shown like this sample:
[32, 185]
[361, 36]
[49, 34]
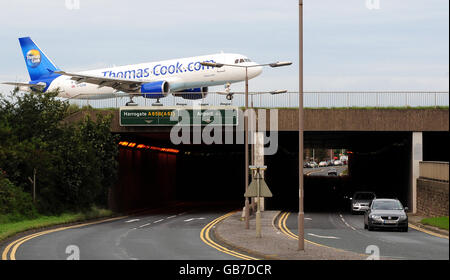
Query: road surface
[323, 171]
[167, 234]
[346, 231]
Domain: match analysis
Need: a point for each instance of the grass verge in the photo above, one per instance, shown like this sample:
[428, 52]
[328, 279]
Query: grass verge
[12, 228]
[440, 222]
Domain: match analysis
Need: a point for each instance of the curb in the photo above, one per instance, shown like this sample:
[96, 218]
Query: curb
[5, 241]
[16, 240]
[432, 229]
[228, 244]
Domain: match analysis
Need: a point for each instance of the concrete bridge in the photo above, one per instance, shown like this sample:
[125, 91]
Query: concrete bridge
[387, 144]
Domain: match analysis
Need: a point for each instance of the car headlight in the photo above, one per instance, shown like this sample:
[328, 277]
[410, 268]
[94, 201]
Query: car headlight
[403, 217]
[375, 217]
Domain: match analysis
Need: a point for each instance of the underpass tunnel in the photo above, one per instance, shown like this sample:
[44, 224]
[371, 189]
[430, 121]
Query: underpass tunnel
[145, 178]
[155, 173]
[378, 161]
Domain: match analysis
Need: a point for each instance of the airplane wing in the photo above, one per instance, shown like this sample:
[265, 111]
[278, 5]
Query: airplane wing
[38, 86]
[125, 85]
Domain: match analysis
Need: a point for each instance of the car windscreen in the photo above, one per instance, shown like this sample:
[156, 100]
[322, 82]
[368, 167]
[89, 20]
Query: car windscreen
[387, 205]
[364, 196]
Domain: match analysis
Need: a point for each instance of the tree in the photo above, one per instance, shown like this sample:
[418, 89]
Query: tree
[76, 163]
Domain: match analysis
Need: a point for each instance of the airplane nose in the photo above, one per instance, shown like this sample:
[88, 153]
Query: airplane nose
[255, 71]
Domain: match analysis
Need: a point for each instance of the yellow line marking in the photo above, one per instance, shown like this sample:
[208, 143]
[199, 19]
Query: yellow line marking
[17, 243]
[285, 229]
[205, 237]
[426, 231]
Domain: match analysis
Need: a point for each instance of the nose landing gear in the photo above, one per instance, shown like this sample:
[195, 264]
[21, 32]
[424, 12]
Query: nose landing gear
[157, 103]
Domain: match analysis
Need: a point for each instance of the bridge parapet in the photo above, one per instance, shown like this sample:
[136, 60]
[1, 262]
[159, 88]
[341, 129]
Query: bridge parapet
[434, 170]
[411, 119]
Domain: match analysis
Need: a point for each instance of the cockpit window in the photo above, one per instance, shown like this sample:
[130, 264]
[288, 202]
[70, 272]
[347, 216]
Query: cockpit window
[241, 60]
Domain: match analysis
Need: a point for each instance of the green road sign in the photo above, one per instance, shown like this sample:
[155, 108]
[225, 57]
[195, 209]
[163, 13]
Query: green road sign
[176, 115]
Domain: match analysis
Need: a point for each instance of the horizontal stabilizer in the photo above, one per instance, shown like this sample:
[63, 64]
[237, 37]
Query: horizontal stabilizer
[38, 86]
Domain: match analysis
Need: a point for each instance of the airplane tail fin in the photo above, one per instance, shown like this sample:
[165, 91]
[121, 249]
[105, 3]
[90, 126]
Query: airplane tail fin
[38, 64]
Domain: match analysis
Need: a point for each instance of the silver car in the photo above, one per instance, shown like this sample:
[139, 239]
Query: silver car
[386, 213]
[360, 202]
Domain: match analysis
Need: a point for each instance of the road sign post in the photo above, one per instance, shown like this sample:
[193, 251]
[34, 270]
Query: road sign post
[258, 188]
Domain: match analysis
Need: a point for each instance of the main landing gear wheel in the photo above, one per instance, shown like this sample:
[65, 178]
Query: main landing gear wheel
[131, 102]
[230, 96]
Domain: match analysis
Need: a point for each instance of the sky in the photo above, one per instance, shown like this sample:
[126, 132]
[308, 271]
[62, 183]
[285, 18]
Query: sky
[348, 44]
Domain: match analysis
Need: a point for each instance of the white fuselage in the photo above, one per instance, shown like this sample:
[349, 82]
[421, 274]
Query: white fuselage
[181, 74]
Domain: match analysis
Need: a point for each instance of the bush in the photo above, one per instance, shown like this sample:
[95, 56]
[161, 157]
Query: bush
[15, 204]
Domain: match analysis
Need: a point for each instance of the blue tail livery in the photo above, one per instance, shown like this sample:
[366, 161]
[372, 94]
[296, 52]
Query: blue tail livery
[38, 64]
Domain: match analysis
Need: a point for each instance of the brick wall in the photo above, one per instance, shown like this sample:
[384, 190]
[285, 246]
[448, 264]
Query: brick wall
[432, 197]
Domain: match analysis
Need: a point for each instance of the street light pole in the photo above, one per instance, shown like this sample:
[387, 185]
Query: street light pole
[301, 214]
[273, 65]
[247, 206]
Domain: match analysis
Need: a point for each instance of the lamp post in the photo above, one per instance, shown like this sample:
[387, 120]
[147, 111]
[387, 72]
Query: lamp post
[301, 214]
[273, 65]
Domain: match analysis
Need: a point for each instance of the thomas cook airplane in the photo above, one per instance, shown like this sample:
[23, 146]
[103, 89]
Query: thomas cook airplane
[188, 78]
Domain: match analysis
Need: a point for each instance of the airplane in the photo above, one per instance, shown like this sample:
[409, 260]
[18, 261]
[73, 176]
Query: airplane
[185, 77]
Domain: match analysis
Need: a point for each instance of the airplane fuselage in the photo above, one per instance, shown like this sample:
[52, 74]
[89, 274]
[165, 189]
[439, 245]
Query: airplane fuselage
[181, 74]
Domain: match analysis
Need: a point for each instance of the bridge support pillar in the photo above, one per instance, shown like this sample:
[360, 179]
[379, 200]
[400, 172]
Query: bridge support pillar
[258, 154]
[416, 157]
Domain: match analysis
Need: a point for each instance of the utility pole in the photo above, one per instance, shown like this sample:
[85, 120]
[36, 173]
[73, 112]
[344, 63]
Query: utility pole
[301, 214]
[247, 206]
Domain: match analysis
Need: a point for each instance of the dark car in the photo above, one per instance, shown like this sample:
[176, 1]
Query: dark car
[386, 213]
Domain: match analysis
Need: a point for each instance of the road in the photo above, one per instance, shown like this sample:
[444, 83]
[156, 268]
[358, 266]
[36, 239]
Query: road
[172, 233]
[346, 231]
[323, 171]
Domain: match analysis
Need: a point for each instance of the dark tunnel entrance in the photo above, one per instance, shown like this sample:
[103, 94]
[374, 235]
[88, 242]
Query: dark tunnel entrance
[151, 178]
[379, 162]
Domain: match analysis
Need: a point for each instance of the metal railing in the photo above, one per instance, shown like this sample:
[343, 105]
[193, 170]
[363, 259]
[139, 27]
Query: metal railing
[435, 170]
[312, 99]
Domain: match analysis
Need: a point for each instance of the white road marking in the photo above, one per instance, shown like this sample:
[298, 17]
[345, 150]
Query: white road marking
[145, 225]
[322, 236]
[171, 217]
[191, 219]
[158, 221]
[132, 220]
[345, 222]
[308, 219]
